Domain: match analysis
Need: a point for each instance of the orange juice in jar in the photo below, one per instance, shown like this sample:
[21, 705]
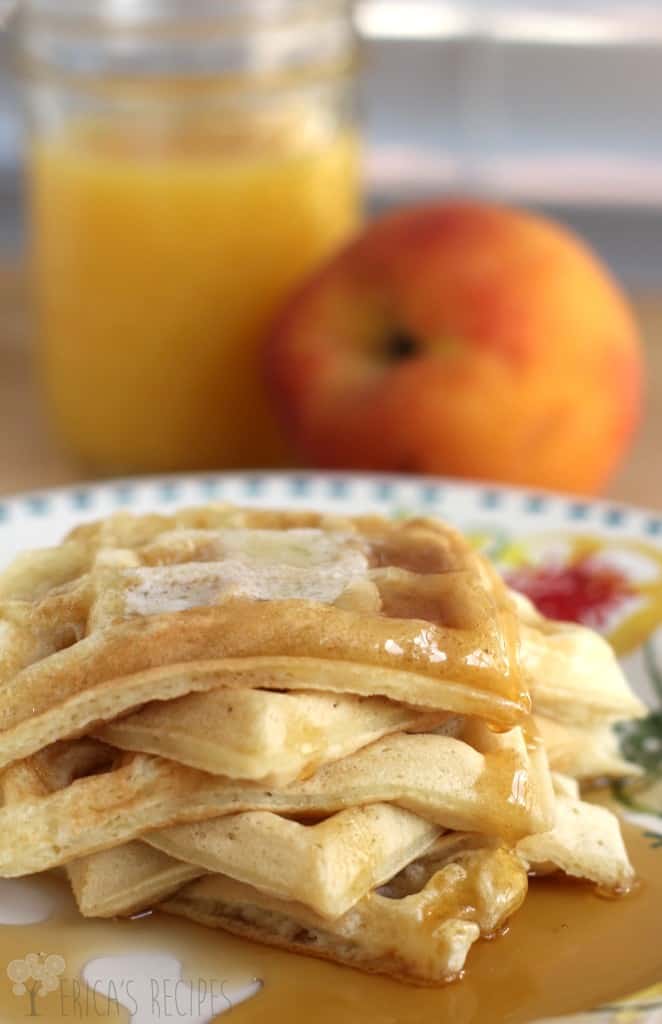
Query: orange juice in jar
[172, 213]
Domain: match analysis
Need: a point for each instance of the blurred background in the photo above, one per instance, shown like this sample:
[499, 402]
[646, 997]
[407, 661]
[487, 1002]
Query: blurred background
[557, 104]
[554, 105]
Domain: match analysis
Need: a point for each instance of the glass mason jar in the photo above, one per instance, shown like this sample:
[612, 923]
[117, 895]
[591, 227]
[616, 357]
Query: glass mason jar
[190, 162]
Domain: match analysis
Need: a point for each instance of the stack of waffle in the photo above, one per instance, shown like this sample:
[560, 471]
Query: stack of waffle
[312, 731]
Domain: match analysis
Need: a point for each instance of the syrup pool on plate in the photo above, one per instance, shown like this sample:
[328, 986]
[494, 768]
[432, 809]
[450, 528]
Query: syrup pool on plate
[566, 949]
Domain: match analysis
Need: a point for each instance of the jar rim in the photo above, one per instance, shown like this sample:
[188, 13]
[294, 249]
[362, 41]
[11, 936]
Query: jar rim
[155, 14]
[113, 41]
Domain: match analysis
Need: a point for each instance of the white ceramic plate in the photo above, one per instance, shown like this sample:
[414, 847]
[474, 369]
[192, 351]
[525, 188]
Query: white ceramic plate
[597, 562]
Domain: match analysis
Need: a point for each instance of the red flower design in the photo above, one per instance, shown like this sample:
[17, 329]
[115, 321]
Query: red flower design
[582, 592]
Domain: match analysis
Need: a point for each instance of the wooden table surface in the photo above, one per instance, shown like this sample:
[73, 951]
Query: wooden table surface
[30, 459]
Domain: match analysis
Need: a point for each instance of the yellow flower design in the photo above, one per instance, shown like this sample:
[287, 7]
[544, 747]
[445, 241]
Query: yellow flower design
[608, 583]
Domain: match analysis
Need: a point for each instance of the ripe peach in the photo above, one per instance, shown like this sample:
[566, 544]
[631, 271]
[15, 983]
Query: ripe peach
[460, 338]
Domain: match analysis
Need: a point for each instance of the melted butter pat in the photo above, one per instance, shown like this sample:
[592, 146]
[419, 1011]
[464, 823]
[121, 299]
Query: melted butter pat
[258, 564]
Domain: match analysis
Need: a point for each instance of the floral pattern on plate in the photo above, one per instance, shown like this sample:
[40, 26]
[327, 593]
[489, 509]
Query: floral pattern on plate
[591, 562]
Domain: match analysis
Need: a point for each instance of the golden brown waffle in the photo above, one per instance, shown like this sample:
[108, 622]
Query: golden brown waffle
[411, 601]
[256, 734]
[126, 879]
[61, 713]
[573, 673]
[422, 937]
[431, 546]
[583, 752]
[328, 866]
[448, 848]
[487, 782]
[585, 842]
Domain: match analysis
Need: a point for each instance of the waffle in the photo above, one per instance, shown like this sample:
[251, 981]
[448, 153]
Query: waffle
[585, 842]
[573, 672]
[126, 879]
[423, 937]
[313, 731]
[583, 752]
[275, 738]
[245, 602]
[190, 535]
[504, 790]
[328, 866]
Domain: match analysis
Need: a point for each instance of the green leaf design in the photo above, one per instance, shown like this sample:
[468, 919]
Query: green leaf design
[641, 742]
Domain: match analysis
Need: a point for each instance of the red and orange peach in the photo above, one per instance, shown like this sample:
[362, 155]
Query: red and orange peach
[460, 338]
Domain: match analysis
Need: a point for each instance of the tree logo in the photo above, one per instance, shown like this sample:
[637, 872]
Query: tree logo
[36, 975]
